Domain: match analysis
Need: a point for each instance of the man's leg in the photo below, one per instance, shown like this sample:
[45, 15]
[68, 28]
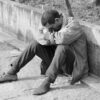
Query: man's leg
[17, 64]
[43, 67]
[58, 61]
[44, 52]
[61, 58]
[24, 58]
[68, 67]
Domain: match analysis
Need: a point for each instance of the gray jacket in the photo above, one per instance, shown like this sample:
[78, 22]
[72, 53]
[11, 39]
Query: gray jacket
[72, 35]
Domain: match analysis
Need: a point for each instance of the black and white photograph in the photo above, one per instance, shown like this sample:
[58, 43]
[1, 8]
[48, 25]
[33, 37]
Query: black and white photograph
[49, 49]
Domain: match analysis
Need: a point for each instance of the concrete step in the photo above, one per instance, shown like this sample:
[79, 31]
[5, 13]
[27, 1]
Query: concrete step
[92, 81]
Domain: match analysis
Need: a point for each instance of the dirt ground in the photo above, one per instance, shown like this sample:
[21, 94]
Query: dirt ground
[29, 79]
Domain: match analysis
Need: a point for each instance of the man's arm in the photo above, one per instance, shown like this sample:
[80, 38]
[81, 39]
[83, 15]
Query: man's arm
[68, 34]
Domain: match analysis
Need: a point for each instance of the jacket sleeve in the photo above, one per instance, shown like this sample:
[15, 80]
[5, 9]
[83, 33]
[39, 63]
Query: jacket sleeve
[69, 33]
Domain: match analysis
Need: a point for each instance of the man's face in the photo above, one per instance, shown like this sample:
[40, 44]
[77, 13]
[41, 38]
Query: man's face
[56, 26]
[50, 27]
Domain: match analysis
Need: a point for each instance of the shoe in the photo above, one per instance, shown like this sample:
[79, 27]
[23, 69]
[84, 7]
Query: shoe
[8, 78]
[43, 88]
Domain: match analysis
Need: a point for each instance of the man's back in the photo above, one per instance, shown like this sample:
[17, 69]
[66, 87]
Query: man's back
[73, 36]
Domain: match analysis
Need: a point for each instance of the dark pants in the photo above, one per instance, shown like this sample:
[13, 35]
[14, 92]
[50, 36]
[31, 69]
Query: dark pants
[57, 58]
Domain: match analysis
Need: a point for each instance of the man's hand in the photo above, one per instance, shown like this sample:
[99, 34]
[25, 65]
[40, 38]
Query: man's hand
[47, 36]
[43, 36]
[44, 31]
[52, 38]
[58, 37]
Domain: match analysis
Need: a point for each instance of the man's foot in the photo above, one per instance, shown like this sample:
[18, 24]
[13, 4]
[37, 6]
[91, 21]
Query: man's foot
[43, 88]
[8, 78]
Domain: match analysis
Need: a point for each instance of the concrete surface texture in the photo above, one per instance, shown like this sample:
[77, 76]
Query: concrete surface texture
[29, 79]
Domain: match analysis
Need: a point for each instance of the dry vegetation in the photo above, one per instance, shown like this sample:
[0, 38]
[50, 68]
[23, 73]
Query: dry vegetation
[83, 9]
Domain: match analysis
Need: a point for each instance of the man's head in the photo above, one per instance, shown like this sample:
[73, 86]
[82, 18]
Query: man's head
[52, 20]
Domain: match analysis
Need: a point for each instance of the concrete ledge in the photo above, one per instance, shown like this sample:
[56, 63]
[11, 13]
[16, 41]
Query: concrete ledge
[92, 32]
[92, 81]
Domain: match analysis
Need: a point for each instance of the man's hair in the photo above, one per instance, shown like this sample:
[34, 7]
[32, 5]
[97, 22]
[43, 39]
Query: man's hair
[49, 17]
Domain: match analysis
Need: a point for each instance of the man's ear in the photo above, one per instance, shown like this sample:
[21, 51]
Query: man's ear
[56, 20]
[59, 20]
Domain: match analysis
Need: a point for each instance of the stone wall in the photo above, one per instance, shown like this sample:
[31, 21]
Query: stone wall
[20, 19]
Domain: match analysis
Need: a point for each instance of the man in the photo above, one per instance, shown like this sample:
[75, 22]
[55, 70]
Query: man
[61, 46]
[73, 39]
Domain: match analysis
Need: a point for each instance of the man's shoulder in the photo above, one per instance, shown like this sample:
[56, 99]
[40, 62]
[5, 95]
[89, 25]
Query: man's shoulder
[72, 22]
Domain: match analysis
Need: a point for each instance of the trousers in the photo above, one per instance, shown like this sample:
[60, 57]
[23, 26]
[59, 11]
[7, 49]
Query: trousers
[57, 58]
